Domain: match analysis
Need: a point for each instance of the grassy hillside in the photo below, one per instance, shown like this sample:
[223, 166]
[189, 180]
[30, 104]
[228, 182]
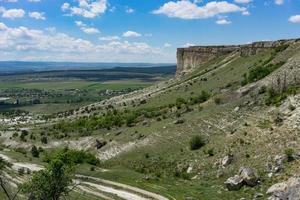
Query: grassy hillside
[169, 138]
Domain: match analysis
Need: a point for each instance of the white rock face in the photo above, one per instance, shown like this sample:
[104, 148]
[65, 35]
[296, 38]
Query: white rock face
[289, 190]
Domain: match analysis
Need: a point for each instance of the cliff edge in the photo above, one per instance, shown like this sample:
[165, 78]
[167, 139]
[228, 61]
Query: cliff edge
[191, 58]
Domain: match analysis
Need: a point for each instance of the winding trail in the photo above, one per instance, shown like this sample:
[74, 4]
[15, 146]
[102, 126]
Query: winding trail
[96, 186]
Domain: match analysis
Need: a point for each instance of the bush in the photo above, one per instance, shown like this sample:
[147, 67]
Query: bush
[44, 140]
[35, 152]
[20, 150]
[204, 96]
[210, 152]
[72, 156]
[179, 102]
[290, 154]
[21, 171]
[196, 142]
[218, 100]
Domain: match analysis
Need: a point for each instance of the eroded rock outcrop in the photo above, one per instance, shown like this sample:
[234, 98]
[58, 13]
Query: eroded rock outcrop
[193, 57]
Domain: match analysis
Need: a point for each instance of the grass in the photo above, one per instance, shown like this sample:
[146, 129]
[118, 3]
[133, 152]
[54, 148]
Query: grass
[161, 152]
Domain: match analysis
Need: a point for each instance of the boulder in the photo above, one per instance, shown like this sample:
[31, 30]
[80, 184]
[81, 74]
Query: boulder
[277, 188]
[227, 160]
[234, 183]
[289, 190]
[249, 176]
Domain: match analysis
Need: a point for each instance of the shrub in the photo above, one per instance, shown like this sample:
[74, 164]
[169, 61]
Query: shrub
[35, 152]
[72, 156]
[44, 140]
[20, 150]
[21, 171]
[218, 100]
[196, 142]
[179, 102]
[290, 154]
[210, 152]
[204, 96]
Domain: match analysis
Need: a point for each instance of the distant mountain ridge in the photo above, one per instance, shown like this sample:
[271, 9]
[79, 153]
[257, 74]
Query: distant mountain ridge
[9, 67]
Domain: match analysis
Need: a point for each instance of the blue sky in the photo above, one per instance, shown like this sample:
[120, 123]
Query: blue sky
[136, 30]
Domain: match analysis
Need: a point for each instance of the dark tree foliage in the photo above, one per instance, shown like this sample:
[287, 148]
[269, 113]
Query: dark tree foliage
[52, 183]
[35, 152]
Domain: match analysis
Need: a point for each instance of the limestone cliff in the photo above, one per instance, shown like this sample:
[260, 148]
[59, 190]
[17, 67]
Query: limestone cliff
[190, 58]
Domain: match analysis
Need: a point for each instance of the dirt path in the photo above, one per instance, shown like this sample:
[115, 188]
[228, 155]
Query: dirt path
[143, 194]
[95, 186]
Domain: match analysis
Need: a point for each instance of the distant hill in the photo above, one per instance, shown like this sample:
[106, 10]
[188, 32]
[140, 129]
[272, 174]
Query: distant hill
[9, 67]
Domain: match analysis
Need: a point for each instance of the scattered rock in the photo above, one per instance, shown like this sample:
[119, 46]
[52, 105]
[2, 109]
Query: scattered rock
[289, 190]
[189, 169]
[227, 160]
[258, 195]
[277, 188]
[278, 165]
[236, 109]
[179, 121]
[234, 183]
[249, 176]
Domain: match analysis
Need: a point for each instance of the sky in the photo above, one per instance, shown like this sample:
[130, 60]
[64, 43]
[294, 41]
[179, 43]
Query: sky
[147, 31]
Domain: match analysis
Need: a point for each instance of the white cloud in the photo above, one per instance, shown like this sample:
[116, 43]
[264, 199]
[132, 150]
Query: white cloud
[11, 1]
[185, 9]
[131, 34]
[85, 28]
[279, 2]
[86, 8]
[22, 43]
[294, 19]
[12, 13]
[65, 7]
[2, 26]
[37, 15]
[188, 44]
[223, 22]
[109, 38]
[242, 1]
[34, 0]
[167, 45]
[130, 10]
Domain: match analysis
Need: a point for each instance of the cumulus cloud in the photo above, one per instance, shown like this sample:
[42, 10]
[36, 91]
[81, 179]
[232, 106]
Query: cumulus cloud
[294, 19]
[109, 38]
[11, 1]
[279, 2]
[85, 28]
[223, 22]
[86, 8]
[242, 1]
[167, 45]
[130, 10]
[185, 9]
[12, 13]
[131, 34]
[23, 43]
[37, 15]
[188, 44]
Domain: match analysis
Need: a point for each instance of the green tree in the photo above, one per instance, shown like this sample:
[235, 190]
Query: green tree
[53, 183]
[35, 152]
